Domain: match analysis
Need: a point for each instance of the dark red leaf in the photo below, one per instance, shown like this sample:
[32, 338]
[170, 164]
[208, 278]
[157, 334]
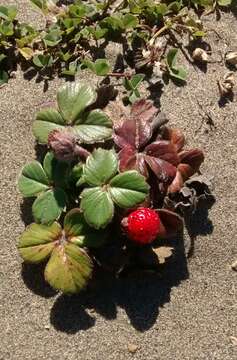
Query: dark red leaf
[177, 183]
[171, 223]
[125, 133]
[130, 159]
[164, 171]
[164, 150]
[125, 156]
[186, 171]
[193, 157]
[175, 136]
[137, 129]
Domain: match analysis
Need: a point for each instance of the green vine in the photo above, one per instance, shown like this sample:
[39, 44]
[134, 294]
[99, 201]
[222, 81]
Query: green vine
[75, 31]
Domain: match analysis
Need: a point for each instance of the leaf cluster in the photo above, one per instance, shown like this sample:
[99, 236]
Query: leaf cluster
[94, 173]
[65, 45]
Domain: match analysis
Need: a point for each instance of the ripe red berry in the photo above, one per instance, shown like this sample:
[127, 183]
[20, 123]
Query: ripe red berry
[142, 225]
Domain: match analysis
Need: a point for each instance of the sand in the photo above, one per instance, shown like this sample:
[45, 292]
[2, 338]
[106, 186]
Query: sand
[188, 314]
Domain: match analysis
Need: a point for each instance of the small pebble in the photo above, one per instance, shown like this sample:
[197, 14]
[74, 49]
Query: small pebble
[233, 340]
[234, 265]
[132, 348]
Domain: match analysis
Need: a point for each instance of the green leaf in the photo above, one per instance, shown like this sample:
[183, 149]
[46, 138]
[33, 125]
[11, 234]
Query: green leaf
[177, 73]
[172, 57]
[128, 189]
[180, 73]
[102, 67]
[97, 206]
[41, 4]
[93, 126]
[2, 57]
[100, 167]
[99, 32]
[6, 28]
[43, 61]
[89, 127]
[53, 38]
[46, 121]
[8, 12]
[49, 205]
[134, 96]
[50, 115]
[224, 2]
[86, 63]
[3, 77]
[73, 98]
[130, 21]
[26, 52]
[68, 269]
[37, 241]
[136, 80]
[33, 180]
[80, 233]
[57, 171]
[76, 173]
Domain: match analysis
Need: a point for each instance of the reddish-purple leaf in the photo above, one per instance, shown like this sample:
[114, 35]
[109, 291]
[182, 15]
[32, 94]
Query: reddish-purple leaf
[164, 150]
[164, 171]
[126, 156]
[177, 183]
[175, 136]
[141, 165]
[171, 223]
[193, 157]
[138, 128]
[125, 133]
[186, 171]
[144, 113]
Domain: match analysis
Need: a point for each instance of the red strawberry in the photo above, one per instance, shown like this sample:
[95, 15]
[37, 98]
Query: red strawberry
[142, 225]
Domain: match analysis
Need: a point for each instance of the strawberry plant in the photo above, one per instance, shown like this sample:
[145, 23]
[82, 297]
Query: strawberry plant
[96, 190]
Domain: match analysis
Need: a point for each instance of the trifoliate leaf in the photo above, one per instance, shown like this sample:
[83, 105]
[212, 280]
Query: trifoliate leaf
[69, 268]
[49, 205]
[73, 98]
[46, 121]
[97, 206]
[80, 233]
[100, 167]
[37, 241]
[88, 127]
[93, 126]
[43, 61]
[128, 189]
[33, 180]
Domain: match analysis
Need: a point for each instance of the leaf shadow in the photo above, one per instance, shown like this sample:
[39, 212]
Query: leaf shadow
[33, 277]
[140, 295]
[26, 210]
[199, 223]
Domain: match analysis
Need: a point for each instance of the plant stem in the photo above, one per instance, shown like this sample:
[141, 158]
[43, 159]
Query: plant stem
[160, 31]
[119, 75]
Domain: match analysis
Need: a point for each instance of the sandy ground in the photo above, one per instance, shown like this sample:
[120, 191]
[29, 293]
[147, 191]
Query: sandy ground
[189, 314]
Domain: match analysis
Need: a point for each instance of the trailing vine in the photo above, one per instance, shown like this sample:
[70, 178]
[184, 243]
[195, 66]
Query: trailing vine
[74, 31]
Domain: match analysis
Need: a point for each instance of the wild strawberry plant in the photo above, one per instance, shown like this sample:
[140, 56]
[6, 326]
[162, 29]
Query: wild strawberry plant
[103, 190]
